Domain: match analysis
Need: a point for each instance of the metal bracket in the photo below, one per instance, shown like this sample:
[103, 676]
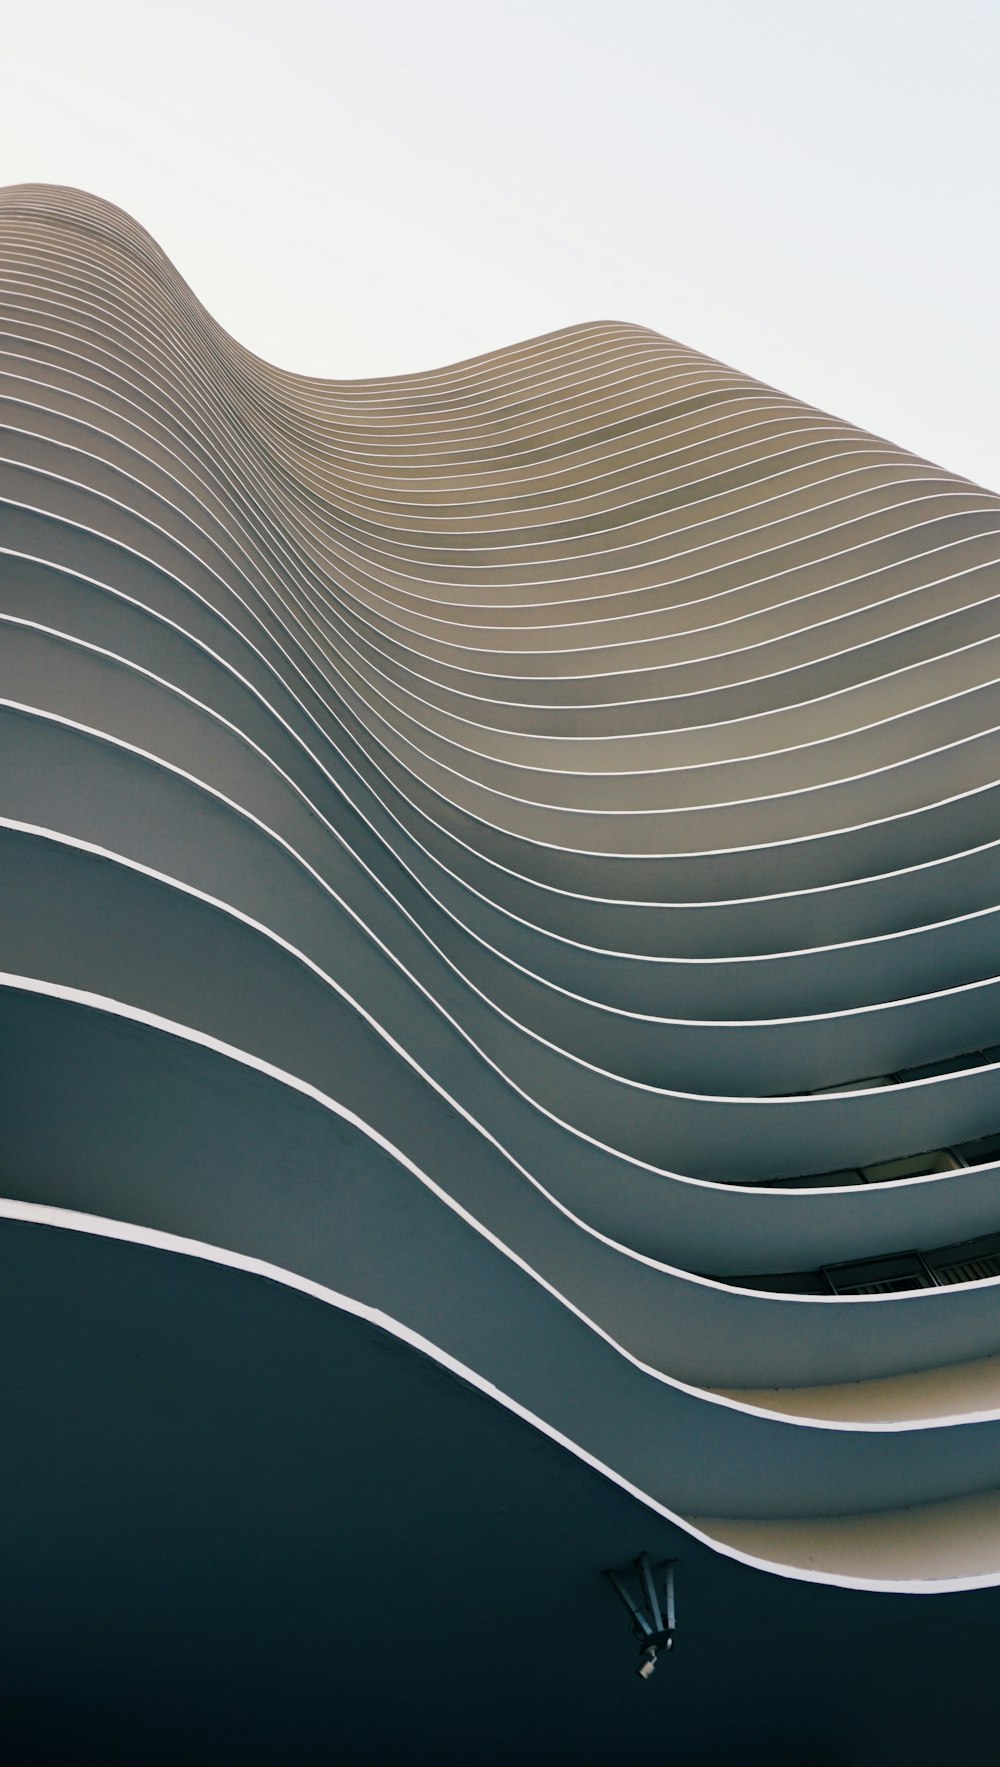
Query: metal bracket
[653, 1632]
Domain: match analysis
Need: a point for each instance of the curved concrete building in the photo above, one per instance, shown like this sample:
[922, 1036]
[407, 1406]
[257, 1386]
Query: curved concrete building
[501, 1026]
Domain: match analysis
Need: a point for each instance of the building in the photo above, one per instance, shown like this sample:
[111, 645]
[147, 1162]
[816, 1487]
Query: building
[501, 1036]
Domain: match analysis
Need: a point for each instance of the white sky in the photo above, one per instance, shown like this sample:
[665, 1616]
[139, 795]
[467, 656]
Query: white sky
[804, 188]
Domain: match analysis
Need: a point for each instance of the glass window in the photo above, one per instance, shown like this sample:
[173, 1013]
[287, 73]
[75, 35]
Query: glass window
[916, 1165]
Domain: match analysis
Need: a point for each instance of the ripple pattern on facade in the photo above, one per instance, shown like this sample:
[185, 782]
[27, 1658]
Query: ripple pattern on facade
[516, 846]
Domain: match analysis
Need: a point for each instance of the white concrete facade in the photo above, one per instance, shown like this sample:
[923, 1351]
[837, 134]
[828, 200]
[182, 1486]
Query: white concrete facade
[464, 840]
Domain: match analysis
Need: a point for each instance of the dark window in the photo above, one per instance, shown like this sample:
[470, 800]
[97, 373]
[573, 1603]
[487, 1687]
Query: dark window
[879, 1276]
[980, 1152]
[953, 1064]
[915, 1165]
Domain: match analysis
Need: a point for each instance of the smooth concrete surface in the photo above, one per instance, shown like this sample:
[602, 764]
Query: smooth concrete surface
[245, 1524]
[463, 836]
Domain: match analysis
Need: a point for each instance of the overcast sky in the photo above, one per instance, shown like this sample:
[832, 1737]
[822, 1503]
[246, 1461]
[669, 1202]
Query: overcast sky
[805, 188]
